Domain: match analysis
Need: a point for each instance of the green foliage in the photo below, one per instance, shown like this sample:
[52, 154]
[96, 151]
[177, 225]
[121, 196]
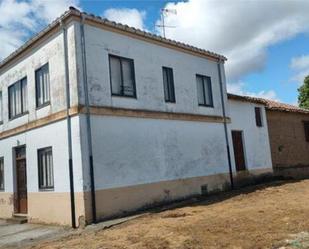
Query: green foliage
[303, 97]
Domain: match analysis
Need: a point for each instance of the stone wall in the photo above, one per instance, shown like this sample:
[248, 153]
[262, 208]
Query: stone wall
[289, 148]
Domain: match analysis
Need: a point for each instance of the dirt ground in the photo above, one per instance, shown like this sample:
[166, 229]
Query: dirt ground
[267, 216]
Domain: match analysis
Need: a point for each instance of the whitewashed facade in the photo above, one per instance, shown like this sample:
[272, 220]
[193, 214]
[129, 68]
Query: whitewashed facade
[144, 150]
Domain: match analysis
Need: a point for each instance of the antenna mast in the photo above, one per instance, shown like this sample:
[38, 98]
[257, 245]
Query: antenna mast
[165, 12]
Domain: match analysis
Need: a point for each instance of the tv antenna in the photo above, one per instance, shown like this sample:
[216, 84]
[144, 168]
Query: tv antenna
[164, 13]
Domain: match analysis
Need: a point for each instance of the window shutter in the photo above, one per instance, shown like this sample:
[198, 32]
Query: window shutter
[168, 83]
[200, 91]
[258, 117]
[127, 72]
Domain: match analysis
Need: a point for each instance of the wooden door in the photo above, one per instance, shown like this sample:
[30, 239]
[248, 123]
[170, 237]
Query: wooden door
[21, 182]
[238, 147]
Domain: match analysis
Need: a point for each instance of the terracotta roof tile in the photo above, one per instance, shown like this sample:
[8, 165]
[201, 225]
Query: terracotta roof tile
[270, 104]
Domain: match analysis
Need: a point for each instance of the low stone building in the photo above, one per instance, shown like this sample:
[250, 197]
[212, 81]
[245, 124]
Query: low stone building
[289, 139]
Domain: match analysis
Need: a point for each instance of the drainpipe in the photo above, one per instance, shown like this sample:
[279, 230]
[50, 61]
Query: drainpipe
[89, 134]
[68, 118]
[225, 125]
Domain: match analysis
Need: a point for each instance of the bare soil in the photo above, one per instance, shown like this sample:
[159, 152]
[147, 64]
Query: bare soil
[266, 216]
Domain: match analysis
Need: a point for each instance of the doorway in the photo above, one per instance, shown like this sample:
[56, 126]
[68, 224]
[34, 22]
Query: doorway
[239, 154]
[21, 205]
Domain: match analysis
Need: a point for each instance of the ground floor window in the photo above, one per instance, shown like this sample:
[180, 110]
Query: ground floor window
[46, 171]
[1, 173]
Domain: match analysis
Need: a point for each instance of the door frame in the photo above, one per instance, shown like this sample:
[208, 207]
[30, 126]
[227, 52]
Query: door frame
[15, 159]
[243, 148]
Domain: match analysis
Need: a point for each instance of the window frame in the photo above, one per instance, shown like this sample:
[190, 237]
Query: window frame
[209, 88]
[46, 103]
[3, 180]
[258, 121]
[306, 130]
[39, 152]
[120, 58]
[171, 98]
[23, 112]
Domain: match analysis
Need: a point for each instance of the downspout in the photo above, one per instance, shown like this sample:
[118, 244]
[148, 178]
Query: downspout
[68, 118]
[88, 121]
[225, 125]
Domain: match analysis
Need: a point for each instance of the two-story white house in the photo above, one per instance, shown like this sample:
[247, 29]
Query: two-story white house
[99, 119]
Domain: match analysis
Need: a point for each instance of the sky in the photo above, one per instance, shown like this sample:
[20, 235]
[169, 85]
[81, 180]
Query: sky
[266, 42]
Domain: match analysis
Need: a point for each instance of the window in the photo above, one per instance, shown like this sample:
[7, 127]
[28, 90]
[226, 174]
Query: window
[42, 86]
[168, 84]
[18, 98]
[46, 171]
[1, 108]
[306, 126]
[1, 173]
[122, 76]
[204, 92]
[258, 117]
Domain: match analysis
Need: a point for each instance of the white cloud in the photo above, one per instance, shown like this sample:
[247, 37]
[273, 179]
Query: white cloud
[131, 17]
[240, 30]
[20, 19]
[300, 67]
[301, 62]
[239, 88]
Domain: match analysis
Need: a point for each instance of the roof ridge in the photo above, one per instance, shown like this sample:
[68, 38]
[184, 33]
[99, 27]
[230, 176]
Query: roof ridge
[270, 104]
[151, 35]
[74, 10]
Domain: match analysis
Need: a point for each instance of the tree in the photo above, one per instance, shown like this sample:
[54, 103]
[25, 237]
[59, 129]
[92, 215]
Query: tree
[303, 97]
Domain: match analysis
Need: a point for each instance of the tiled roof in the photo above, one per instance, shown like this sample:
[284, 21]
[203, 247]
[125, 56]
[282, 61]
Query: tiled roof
[246, 98]
[118, 26]
[270, 104]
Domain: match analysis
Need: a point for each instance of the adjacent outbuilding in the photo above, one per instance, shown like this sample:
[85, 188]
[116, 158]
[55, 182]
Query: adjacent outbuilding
[288, 127]
[250, 147]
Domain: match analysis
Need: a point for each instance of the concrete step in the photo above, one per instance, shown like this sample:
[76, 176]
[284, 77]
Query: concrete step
[17, 219]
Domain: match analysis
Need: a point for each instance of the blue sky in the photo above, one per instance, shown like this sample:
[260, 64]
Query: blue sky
[277, 74]
[266, 42]
[152, 7]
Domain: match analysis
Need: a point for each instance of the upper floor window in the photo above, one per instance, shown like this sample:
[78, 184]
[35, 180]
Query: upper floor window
[18, 98]
[1, 108]
[122, 76]
[306, 126]
[204, 90]
[46, 171]
[42, 86]
[168, 84]
[1, 173]
[258, 117]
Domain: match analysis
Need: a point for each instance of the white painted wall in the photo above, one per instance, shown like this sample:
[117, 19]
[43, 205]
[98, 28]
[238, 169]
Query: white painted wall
[54, 135]
[50, 51]
[148, 61]
[130, 151]
[256, 139]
